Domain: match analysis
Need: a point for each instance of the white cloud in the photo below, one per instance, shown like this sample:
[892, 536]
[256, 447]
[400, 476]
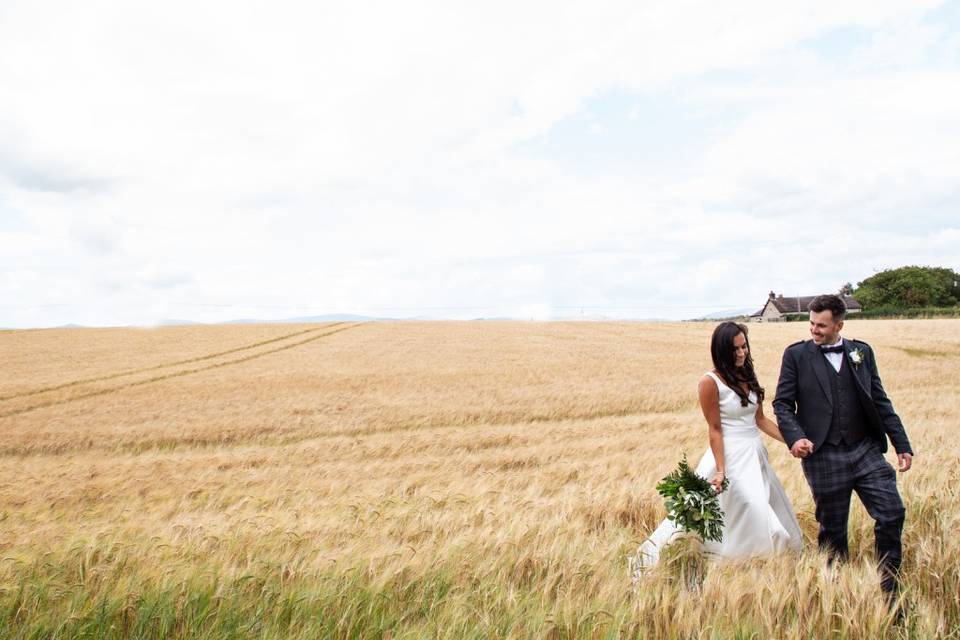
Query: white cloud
[284, 156]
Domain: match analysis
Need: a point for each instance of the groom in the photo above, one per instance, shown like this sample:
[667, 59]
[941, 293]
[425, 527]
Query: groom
[835, 416]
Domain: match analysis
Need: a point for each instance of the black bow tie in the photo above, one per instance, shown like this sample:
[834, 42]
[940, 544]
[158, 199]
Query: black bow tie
[836, 349]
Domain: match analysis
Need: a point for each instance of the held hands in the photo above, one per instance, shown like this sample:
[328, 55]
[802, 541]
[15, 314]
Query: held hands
[801, 448]
[717, 481]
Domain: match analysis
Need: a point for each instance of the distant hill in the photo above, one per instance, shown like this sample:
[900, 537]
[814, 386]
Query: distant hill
[728, 314]
[336, 317]
[352, 317]
[330, 317]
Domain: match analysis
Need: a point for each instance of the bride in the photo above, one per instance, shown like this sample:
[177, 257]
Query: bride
[758, 517]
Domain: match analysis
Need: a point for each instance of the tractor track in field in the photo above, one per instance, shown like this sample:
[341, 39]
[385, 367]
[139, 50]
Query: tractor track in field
[130, 372]
[175, 374]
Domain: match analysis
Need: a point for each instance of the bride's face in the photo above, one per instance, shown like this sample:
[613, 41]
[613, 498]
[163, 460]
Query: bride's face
[740, 349]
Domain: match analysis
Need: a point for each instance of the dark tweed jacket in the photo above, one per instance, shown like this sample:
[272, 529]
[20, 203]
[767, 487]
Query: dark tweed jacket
[804, 402]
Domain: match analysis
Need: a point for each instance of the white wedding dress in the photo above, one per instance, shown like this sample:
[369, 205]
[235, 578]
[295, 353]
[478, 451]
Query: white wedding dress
[758, 518]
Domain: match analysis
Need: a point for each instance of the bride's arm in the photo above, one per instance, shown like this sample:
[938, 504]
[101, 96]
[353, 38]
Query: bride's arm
[710, 405]
[767, 425]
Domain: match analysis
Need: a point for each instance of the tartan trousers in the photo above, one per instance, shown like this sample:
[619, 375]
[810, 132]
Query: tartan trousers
[833, 473]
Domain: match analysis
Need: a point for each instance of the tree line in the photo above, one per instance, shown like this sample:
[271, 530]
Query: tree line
[907, 288]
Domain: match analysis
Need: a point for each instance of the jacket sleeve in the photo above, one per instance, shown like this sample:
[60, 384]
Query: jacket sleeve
[785, 402]
[891, 421]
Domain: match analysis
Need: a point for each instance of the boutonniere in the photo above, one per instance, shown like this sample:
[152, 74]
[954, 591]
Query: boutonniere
[856, 357]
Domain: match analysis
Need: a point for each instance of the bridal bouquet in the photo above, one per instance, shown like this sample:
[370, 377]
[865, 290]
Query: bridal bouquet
[692, 504]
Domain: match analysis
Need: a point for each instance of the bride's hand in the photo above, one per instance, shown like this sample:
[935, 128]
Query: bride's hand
[717, 481]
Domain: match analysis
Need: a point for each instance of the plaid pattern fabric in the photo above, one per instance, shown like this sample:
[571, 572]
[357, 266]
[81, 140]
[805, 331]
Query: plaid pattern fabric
[833, 473]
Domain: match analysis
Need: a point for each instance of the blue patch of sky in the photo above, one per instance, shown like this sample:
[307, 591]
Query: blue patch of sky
[10, 218]
[946, 16]
[839, 43]
[625, 131]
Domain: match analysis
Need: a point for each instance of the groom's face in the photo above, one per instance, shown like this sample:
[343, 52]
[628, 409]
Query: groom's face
[823, 328]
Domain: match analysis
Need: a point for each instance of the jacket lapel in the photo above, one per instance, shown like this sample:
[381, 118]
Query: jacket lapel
[819, 364]
[848, 362]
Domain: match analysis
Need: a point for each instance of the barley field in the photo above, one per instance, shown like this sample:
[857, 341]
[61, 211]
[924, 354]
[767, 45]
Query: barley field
[424, 480]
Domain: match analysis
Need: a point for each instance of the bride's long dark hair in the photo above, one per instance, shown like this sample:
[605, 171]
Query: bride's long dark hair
[725, 361]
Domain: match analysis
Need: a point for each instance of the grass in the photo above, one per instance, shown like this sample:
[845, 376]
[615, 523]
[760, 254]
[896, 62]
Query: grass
[407, 480]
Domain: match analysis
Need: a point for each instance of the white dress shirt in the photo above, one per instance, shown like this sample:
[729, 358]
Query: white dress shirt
[835, 359]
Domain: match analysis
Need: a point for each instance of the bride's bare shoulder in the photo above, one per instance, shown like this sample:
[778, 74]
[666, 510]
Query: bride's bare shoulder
[708, 383]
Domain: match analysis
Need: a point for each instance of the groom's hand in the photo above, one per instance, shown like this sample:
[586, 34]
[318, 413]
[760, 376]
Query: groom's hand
[905, 460]
[801, 448]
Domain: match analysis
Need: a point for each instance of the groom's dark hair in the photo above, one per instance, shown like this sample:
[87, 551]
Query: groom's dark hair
[831, 302]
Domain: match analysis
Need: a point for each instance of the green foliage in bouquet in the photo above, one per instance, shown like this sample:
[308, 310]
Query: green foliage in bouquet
[692, 504]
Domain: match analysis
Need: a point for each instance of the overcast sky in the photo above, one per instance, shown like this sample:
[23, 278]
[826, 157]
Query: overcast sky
[221, 160]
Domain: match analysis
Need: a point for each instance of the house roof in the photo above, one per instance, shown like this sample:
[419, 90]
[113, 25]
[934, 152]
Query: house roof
[800, 304]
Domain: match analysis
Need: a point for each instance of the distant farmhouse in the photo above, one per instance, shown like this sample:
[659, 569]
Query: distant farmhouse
[779, 308]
